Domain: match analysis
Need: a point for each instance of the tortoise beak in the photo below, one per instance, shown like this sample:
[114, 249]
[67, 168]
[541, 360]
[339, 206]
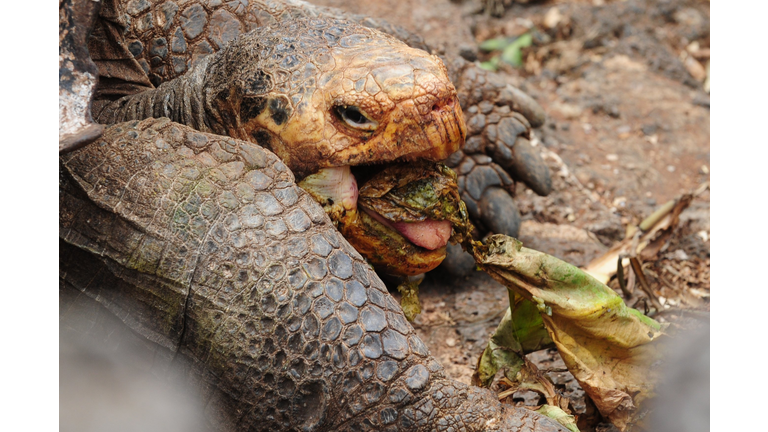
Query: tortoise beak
[444, 129]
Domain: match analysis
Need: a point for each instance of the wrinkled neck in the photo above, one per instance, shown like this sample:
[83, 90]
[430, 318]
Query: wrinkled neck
[180, 99]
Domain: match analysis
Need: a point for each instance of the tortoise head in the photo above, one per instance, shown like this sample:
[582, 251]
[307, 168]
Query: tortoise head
[334, 94]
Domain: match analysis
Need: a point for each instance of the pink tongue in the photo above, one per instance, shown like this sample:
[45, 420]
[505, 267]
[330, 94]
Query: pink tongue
[430, 234]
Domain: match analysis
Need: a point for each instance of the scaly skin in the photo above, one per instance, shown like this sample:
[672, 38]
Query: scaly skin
[282, 87]
[169, 37]
[204, 246]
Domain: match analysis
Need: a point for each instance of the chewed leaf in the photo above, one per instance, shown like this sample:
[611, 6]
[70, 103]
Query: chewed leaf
[410, 299]
[608, 347]
[520, 332]
[417, 192]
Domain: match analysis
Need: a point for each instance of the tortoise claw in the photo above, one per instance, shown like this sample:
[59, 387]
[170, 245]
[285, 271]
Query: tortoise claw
[526, 165]
[522, 103]
[499, 121]
[497, 153]
[499, 213]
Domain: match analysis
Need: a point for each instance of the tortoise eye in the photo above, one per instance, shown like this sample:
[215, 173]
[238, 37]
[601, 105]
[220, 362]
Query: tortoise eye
[355, 118]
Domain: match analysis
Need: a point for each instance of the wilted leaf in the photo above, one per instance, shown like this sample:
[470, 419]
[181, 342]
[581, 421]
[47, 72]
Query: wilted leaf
[608, 347]
[520, 332]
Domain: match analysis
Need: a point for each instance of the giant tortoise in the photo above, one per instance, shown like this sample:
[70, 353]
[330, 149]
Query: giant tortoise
[180, 222]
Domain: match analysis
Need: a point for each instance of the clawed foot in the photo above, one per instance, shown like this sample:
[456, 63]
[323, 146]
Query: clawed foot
[497, 153]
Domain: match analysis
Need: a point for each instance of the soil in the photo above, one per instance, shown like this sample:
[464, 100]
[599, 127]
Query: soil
[627, 130]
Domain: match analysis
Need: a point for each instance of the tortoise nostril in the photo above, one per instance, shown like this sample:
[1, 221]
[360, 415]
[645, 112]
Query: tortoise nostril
[443, 104]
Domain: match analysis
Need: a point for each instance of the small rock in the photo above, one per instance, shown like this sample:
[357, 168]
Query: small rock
[608, 231]
[693, 67]
[569, 111]
[469, 52]
[649, 129]
[552, 18]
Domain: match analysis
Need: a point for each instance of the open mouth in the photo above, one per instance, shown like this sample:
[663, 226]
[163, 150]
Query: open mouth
[399, 216]
[429, 234]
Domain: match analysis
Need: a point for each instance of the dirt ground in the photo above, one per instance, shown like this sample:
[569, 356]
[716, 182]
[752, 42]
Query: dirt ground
[628, 129]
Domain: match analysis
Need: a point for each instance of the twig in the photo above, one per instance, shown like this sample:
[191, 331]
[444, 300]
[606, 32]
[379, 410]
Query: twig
[645, 305]
[620, 277]
[635, 263]
[656, 216]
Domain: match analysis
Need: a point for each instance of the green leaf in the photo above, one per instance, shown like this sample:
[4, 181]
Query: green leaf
[513, 53]
[611, 349]
[520, 332]
[557, 414]
[529, 329]
[525, 40]
[491, 65]
[495, 44]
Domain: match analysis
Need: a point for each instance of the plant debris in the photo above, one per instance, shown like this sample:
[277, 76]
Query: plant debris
[608, 347]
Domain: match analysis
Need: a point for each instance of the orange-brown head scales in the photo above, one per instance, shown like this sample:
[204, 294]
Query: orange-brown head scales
[335, 94]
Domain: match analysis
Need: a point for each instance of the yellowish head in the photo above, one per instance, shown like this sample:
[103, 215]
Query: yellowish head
[337, 94]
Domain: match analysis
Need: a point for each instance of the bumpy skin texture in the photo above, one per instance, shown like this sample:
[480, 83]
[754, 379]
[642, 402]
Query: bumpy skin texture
[282, 87]
[204, 246]
[168, 38]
